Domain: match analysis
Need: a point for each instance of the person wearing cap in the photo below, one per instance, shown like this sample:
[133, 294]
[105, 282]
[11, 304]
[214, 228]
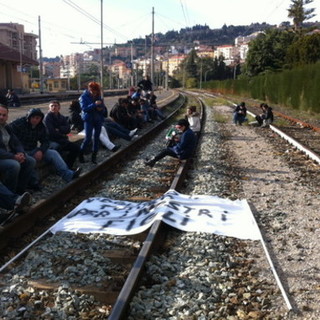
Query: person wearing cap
[32, 133]
[16, 166]
[184, 147]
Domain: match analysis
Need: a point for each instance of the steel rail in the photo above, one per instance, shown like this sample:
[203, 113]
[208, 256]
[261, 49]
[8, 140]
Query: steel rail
[40, 210]
[120, 308]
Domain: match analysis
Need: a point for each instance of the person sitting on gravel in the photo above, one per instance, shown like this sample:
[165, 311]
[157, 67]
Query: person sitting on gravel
[75, 119]
[193, 118]
[58, 128]
[239, 114]
[119, 131]
[266, 117]
[16, 166]
[32, 133]
[182, 149]
[121, 115]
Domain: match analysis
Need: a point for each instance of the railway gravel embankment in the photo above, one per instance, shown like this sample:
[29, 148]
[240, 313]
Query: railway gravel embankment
[203, 276]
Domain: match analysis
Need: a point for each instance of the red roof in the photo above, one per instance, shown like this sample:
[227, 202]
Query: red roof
[9, 54]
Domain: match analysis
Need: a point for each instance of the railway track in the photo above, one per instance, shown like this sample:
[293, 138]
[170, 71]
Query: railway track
[121, 258]
[234, 289]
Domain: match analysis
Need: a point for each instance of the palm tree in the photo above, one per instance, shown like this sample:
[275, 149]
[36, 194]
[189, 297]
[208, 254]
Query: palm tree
[299, 13]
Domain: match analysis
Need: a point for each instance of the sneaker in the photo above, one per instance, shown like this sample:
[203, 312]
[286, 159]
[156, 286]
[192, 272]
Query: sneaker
[23, 202]
[133, 132]
[135, 137]
[76, 173]
[116, 148]
[150, 163]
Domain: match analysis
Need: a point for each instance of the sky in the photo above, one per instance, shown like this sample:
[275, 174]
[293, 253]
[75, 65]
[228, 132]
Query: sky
[69, 26]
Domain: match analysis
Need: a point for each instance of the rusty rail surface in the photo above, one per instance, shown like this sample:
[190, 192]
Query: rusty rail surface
[120, 308]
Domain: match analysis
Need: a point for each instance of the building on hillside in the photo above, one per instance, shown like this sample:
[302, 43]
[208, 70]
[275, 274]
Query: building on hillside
[204, 51]
[226, 51]
[172, 63]
[242, 44]
[51, 69]
[13, 36]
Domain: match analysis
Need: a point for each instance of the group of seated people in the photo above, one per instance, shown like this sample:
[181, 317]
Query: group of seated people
[264, 119]
[26, 141]
[124, 119]
[44, 137]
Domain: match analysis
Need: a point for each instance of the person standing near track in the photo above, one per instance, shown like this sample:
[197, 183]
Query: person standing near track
[93, 111]
[182, 149]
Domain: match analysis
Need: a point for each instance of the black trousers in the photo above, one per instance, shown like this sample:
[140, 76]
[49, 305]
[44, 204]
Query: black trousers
[165, 152]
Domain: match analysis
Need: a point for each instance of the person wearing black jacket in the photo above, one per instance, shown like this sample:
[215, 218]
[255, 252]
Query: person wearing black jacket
[239, 114]
[16, 166]
[58, 128]
[32, 133]
[182, 149]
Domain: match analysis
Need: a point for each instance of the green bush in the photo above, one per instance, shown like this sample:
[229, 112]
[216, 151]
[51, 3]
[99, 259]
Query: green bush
[297, 88]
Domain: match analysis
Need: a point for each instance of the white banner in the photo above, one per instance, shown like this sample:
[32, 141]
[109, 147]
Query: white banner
[188, 213]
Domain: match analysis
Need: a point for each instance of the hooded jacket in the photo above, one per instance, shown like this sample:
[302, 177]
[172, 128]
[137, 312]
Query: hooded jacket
[32, 139]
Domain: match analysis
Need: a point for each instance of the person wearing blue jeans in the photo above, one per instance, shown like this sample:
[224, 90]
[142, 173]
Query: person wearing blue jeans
[16, 166]
[118, 130]
[93, 111]
[10, 200]
[240, 113]
[31, 131]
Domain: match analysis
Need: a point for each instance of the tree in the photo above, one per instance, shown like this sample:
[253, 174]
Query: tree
[305, 50]
[268, 51]
[299, 13]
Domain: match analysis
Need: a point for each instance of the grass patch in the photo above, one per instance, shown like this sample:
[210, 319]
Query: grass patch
[220, 118]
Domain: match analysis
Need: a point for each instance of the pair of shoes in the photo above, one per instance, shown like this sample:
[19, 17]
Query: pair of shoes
[23, 202]
[76, 173]
[116, 148]
[133, 132]
[150, 163]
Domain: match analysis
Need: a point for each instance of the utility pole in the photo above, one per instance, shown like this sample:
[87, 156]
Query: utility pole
[200, 85]
[110, 75]
[152, 48]
[40, 58]
[131, 61]
[167, 74]
[21, 77]
[101, 72]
